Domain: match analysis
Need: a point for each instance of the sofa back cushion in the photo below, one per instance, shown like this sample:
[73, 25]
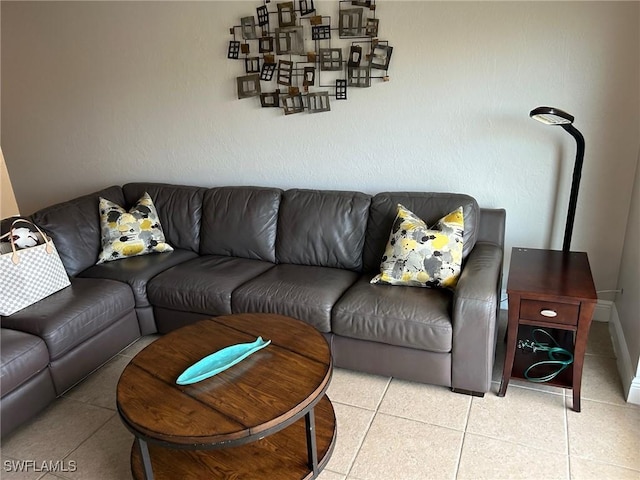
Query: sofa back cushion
[179, 209]
[430, 207]
[240, 222]
[322, 228]
[75, 228]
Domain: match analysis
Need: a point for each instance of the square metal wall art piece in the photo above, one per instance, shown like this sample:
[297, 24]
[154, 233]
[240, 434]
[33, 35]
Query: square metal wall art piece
[249, 28]
[234, 49]
[350, 22]
[252, 64]
[267, 72]
[265, 45]
[271, 99]
[359, 76]
[307, 7]
[381, 56]
[286, 14]
[318, 102]
[285, 72]
[263, 15]
[293, 104]
[331, 59]
[248, 86]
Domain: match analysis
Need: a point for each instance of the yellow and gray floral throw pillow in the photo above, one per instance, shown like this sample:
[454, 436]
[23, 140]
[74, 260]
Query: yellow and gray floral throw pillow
[127, 234]
[419, 256]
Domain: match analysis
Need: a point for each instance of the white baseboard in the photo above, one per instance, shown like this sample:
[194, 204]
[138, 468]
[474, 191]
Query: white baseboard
[603, 310]
[630, 382]
[634, 391]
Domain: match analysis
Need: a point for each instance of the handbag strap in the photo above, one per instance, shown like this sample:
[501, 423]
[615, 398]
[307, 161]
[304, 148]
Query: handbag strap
[15, 258]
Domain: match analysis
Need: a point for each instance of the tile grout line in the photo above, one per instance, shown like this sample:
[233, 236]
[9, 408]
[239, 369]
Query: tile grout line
[413, 419]
[464, 437]
[431, 424]
[386, 389]
[609, 403]
[101, 407]
[608, 464]
[565, 417]
[364, 437]
[513, 442]
[601, 355]
[62, 398]
[536, 388]
[55, 475]
[565, 391]
[66, 455]
[115, 414]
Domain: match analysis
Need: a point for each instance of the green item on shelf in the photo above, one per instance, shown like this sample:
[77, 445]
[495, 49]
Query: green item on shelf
[556, 354]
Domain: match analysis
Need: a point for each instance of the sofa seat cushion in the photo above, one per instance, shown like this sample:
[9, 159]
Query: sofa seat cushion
[299, 291]
[397, 315]
[137, 271]
[71, 316]
[23, 357]
[204, 284]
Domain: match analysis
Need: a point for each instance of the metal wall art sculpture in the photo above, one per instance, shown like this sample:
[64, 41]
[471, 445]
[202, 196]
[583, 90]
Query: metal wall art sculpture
[303, 58]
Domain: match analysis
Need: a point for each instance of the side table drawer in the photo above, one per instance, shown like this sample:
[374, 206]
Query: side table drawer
[549, 312]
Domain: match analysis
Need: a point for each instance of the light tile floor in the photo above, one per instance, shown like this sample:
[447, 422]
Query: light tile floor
[388, 429]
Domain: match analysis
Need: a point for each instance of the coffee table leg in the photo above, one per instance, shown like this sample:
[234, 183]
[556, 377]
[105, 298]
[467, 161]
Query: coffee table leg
[312, 450]
[146, 459]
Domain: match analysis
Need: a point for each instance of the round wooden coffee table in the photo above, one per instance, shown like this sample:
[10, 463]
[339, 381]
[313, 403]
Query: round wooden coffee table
[266, 417]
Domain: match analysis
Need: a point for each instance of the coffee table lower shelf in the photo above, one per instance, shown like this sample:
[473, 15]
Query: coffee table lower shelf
[282, 455]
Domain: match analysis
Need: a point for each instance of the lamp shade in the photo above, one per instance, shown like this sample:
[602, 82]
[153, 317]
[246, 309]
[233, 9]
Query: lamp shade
[551, 116]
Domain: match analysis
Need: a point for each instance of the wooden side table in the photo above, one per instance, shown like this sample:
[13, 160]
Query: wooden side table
[554, 291]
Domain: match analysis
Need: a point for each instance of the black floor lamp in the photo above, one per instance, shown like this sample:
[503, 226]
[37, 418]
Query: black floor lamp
[555, 116]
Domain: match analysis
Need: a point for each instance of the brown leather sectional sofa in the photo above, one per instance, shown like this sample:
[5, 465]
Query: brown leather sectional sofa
[308, 254]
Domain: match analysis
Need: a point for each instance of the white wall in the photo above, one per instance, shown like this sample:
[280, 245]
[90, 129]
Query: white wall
[99, 93]
[626, 321]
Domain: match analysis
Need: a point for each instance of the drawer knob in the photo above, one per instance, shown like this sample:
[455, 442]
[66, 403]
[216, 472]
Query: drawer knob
[548, 313]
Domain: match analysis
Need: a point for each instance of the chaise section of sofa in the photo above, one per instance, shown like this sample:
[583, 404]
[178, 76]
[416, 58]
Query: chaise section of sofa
[27, 387]
[72, 332]
[82, 326]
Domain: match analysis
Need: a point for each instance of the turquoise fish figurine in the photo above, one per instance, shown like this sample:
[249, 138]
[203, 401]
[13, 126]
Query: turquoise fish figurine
[219, 361]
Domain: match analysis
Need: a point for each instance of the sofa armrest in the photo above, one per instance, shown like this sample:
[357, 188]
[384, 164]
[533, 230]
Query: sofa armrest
[474, 317]
[492, 226]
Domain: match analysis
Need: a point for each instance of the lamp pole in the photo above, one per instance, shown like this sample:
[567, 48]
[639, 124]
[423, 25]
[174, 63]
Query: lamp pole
[575, 184]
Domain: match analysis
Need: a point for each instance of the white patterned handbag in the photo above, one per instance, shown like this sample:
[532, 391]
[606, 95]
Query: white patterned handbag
[29, 274]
